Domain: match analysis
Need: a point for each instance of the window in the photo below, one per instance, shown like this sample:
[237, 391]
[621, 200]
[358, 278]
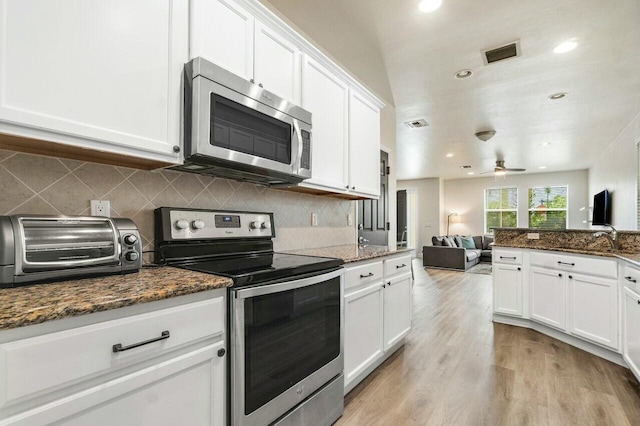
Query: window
[548, 207]
[500, 208]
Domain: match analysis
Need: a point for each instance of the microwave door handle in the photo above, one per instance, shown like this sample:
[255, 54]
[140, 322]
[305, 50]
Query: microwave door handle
[296, 136]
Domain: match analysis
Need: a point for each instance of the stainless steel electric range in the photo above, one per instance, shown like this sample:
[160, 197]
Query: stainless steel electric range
[285, 314]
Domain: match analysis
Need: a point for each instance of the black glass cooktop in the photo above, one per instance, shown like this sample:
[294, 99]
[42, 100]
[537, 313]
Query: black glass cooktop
[260, 268]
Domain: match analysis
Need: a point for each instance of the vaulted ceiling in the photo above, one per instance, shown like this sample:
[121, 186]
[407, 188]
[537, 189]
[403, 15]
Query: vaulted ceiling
[421, 53]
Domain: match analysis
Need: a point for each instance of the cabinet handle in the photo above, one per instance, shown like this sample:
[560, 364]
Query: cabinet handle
[119, 348]
[570, 277]
[565, 263]
[508, 257]
[370, 274]
[252, 81]
[519, 269]
[400, 266]
[353, 188]
[560, 275]
[384, 286]
[260, 84]
[630, 279]
[389, 283]
[347, 186]
[638, 302]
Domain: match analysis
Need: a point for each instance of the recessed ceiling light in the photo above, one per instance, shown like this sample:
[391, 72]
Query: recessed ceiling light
[463, 74]
[542, 167]
[427, 6]
[545, 144]
[557, 96]
[449, 155]
[565, 46]
[470, 173]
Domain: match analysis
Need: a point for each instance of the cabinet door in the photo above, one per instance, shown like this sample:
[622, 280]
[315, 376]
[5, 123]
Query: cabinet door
[507, 289]
[186, 390]
[593, 309]
[631, 330]
[222, 32]
[277, 64]
[363, 343]
[364, 146]
[94, 74]
[548, 297]
[327, 98]
[397, 310]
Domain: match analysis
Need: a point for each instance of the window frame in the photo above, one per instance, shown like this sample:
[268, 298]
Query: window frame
[566, 209]
[490, 232]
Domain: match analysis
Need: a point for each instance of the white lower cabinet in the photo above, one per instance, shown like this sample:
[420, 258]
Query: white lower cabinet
[377, 314]
[363, 330]
[507, 289]
[548, 297]
[593, 309]
[631, 330]
[74, 376]
[397, 310]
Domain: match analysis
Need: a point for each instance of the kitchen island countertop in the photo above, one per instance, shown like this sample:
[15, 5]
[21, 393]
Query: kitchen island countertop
[349, 253]
[38, 303]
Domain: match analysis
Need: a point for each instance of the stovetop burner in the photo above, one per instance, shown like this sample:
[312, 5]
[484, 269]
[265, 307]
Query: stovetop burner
[256, 269]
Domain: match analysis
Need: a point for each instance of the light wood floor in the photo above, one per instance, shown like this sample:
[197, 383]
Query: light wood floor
[459, 368]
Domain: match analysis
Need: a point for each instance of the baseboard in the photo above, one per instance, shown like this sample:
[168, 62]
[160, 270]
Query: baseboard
[592, 348]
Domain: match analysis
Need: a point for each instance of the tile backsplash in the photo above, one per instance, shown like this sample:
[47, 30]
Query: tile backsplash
[46, 185]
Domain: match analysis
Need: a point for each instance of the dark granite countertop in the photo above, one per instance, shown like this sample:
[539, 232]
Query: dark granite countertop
[38, 303]
[350, 253]
[633, 259]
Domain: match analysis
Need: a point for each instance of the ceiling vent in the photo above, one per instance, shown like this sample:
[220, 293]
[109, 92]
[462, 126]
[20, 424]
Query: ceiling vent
[466, 166]
[416, 124]
[501, 53]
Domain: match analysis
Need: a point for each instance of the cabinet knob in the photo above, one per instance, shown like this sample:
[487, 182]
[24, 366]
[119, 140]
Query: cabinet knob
[347, 186]
[638, 302]
[260, 84]
[221, 352]
[389, 283]
[252, 81]
[519, 269]
[570, 277]
[384, 286]
[176, 149]
[559, 275]
[353, 187]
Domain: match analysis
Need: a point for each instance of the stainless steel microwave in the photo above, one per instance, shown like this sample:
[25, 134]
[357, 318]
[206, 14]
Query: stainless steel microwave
[235, 129]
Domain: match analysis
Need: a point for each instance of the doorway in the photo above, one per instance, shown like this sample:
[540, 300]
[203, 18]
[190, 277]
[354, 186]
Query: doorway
[373, 215]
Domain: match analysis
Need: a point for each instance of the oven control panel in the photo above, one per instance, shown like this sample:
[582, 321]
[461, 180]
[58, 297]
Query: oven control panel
[207, 224]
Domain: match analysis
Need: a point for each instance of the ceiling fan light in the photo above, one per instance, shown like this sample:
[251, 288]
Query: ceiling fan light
[485, 135]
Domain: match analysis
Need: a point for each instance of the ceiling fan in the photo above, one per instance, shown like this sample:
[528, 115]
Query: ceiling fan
[500, 169]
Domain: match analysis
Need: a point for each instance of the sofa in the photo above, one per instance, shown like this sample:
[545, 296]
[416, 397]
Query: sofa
[448, 252]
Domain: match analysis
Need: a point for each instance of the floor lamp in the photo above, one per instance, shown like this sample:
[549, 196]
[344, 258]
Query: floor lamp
[455, 219]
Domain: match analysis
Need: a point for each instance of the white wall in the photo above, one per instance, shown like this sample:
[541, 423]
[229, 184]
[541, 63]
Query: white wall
[429, 208]
[617, 171]
[466, 197]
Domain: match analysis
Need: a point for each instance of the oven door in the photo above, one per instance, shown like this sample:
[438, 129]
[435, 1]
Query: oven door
[234, 128]
[286, 340]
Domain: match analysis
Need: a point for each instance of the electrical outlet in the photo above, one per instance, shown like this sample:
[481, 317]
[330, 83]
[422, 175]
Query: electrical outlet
[101, 208]
[349, 219]
[533, 236]
[314, 219]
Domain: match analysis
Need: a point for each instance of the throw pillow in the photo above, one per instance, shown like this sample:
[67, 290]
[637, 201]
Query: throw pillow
[448, 242]
[478, 240]
[468, 243]
[458, 240]
[487, 241]
[437, 241]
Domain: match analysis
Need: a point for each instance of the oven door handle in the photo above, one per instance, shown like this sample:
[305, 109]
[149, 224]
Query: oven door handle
[287, 285]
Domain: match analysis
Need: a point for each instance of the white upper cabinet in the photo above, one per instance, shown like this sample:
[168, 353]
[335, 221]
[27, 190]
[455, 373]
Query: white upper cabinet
[222, 32]
[94, 74]
[327, 98]
[364, 146]
[276, 64]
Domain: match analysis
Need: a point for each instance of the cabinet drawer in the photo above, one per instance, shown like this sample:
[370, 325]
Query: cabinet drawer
[397, 265]
[632, 278]
[362, 274]
[53, 361]
[586, 265]
[507, 256]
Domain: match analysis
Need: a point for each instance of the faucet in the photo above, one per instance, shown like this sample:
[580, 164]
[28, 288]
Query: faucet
[362, 242]
[612, 237]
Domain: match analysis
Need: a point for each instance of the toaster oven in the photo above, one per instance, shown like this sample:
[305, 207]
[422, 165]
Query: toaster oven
[47, 248]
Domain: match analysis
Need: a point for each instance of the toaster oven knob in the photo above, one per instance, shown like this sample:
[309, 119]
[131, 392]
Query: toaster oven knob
[197, 224]
[181, 224]
[130, 239]
[131, 256]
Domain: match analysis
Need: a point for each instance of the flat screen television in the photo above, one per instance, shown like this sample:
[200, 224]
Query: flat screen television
[602, 208]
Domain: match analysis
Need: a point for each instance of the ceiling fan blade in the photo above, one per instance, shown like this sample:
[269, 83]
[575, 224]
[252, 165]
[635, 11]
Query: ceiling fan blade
[485, 173]
[514, 170]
